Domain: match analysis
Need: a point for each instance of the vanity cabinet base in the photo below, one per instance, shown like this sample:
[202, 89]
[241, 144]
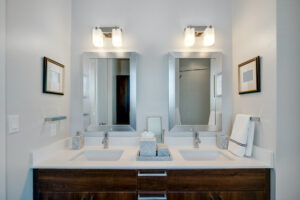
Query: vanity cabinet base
[209, 184]
[216, 195]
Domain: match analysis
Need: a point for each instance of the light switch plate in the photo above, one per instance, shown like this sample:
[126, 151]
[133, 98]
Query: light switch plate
[13, 123]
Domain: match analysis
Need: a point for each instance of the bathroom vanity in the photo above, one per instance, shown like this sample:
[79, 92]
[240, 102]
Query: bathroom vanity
[203, 173]
[171, 184]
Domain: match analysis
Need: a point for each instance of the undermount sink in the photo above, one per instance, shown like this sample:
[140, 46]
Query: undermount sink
[99, 155]
[203, 155]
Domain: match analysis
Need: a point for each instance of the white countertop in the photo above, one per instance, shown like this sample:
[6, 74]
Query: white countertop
[56, 157]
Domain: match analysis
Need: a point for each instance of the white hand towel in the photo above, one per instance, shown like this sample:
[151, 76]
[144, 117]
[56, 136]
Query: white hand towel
[238, 139]
[250, 139]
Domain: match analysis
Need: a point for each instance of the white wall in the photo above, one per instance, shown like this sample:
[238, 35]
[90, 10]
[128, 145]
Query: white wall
[288, 96]
[2, 102]
[34, 29]
[151, 28]
[254, 34]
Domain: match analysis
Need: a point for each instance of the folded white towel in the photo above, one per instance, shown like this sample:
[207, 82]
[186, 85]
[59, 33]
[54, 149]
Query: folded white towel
[241, 139]
[250, 139]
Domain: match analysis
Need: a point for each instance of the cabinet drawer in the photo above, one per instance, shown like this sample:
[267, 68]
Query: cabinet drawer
[152, 180]
[258, 195]
[219, 180]
[63, 196]
[113, 196]
[85, 180]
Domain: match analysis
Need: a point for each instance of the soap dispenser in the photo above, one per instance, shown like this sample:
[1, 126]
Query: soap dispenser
[77, 141]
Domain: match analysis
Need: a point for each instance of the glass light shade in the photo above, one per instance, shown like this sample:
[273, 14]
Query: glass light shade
[117, 37]
[209, 36]
[189, 37]
[98, 37]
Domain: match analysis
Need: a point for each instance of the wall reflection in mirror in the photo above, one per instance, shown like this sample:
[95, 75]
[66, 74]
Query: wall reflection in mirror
[197, 97]
[106, 91]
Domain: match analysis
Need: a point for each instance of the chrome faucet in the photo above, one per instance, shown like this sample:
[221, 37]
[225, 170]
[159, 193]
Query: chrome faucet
[197, 140]
[105, 140]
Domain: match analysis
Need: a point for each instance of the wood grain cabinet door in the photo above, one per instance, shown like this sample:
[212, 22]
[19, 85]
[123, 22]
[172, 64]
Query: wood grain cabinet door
[77, 180]
[152, 180]
[113, 196]
[219, 180]
[63, 196]
[217, 196]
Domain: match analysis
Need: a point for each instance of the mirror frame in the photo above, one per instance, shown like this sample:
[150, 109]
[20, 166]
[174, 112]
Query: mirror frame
[132, 56]
[172, 88]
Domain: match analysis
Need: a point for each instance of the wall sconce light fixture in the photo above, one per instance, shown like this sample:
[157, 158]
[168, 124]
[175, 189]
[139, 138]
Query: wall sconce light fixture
[99, 33]
[116, 37]
[98, 37]
[189, 36]
[191, 32]
[209, 36]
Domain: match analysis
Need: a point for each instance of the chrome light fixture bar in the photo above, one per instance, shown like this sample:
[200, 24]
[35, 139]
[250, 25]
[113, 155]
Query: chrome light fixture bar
[191, 32]
[99, 33]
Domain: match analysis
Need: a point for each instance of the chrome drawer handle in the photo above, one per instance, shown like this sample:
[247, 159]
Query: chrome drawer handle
[152, 198]
[152, 174]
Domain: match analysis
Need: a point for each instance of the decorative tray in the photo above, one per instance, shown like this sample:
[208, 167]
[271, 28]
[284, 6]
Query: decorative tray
[153, 158]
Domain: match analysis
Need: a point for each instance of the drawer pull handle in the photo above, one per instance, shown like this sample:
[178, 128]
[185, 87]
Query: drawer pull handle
[152, 198]
[153, 174]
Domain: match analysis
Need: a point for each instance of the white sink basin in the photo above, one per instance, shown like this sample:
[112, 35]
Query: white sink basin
[203, 155]
[99, 155]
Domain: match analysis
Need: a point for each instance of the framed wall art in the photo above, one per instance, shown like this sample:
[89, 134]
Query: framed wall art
[249, 76]
[53, 77]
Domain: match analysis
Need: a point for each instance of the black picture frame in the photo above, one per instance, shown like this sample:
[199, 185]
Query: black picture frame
[46, 70]
[256, 75]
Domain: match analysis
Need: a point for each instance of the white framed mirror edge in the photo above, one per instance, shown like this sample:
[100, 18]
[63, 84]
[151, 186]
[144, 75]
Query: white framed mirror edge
[132, 56]
[172, 56]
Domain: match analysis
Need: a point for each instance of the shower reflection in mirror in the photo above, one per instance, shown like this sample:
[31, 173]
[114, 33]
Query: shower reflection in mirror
[197, 97]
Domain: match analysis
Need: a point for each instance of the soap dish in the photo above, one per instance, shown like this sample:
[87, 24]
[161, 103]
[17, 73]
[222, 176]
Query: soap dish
[153, 158]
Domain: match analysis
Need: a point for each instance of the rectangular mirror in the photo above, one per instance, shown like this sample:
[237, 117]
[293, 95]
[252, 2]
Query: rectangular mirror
[195, 91]
[154, 125]
[109, 91]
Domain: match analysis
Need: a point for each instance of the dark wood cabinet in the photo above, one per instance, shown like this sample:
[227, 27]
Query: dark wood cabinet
[217, 180]
[210, 184]
[256, 195]
[113, 195]
[152, 180]
[63, 195]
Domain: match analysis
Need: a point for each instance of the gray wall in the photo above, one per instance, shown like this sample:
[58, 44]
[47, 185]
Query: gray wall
[288, 100]
[2, 102]
[34, 29]
[152, 36]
